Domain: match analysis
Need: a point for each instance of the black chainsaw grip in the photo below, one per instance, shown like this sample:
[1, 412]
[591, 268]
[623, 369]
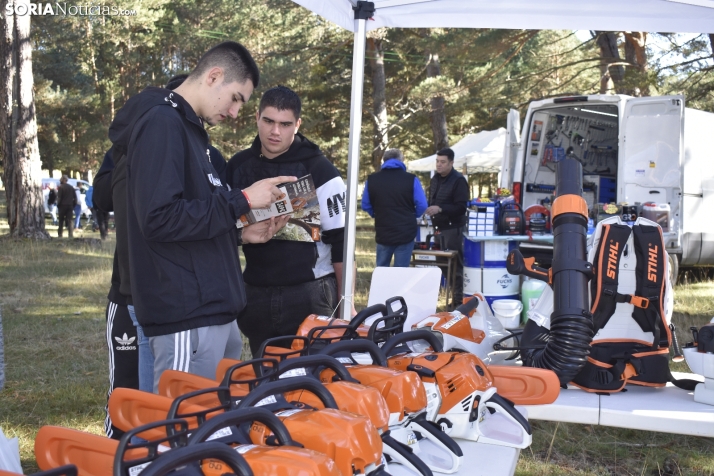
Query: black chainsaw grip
[178, 457]
[237, 417]
[288, 385]
[314, 362]
[357, 345]
[411, 336]
[469, 306]
[367, 312]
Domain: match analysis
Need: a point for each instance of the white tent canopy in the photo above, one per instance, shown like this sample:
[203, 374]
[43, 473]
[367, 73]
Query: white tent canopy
[481, 153]
[684, 16]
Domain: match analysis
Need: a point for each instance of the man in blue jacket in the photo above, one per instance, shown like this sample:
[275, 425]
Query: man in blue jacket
[395, 199]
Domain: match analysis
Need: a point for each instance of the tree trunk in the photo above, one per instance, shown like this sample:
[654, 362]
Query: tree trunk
[636, 56]
[609, 53]
[20, 150]
[437, 114]
[380, 139]
[711, 42]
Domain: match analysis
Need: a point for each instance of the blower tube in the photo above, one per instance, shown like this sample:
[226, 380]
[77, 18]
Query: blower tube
[565, 347]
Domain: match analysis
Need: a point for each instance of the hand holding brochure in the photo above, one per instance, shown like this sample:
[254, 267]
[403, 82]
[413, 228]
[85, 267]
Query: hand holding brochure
[299, 199]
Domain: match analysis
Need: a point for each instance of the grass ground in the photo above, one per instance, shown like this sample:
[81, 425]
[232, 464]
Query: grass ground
[52, 300]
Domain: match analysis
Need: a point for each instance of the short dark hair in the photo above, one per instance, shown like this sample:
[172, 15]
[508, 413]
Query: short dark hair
[392, 154]
[234, 58]
[176, 81]
[281, 98]
[447, 152]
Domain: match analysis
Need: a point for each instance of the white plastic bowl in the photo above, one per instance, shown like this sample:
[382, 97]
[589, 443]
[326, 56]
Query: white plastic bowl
[508, 311]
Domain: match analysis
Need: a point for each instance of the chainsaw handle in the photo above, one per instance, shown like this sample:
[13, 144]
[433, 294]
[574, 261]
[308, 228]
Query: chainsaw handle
[174, 459]
[235, 418]
[176, 429]
[358, 345]
[509, 408]
[314, 362]
[66, 470]
[517, 264]
[420, 334]
[391, 324]
[402, 305]
[367, 312]
[223, 394]
[275, 340]
[262, 372]
[288, 385]
[467, 307]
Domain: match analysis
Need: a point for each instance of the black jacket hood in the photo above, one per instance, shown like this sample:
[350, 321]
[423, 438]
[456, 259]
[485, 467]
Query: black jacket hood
[300, 149]
[137, 106]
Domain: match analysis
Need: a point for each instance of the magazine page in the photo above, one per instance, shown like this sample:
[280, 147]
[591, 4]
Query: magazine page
[300, 201]
[304, 223]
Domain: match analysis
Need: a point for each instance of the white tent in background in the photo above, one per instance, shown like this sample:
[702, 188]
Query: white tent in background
[691, 16]
[481, 153]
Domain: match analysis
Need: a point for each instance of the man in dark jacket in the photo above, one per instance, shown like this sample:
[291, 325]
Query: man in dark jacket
[66, 201]
[288, 278]
[176, 222]
[448, 195]
[395, 199]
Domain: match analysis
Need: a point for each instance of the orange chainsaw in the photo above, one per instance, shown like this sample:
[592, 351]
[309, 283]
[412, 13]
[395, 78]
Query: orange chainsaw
[99, 456]
[463, 397]
[407, 401]
[130, 407]
[349, 395]
[473, 328]
[350, 438]
[377, 323]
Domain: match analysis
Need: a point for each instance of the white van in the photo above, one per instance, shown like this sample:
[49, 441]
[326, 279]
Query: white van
[633, 151]
[83, 187]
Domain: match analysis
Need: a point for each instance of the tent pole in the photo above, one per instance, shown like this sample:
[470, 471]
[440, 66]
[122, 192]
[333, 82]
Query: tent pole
[363, 11]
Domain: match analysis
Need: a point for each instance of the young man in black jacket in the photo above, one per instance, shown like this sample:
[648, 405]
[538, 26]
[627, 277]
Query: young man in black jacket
[286, 279]
[448, 195]
[176, 221]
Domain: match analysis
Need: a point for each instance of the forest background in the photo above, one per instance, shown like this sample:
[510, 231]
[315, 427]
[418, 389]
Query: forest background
[425, 88]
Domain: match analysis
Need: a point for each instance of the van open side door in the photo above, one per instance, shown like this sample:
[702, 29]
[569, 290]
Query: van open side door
[510, 149]
[651, 155]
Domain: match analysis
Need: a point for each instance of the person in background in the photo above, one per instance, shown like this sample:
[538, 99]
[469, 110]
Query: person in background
[66, 201]
[289, 278]
[78, 207]
[52, 202]
[448, 195]
[99, 217]
[395, 199]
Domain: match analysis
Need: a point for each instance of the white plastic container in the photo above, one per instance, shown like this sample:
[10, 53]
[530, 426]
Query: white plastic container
[658, 213]
[531, 289]
[508, 311]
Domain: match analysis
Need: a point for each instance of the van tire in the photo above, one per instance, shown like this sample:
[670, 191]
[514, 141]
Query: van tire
[673, 269]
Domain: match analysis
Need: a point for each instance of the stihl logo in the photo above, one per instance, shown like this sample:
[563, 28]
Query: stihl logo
[652, 263]
[612, 259]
